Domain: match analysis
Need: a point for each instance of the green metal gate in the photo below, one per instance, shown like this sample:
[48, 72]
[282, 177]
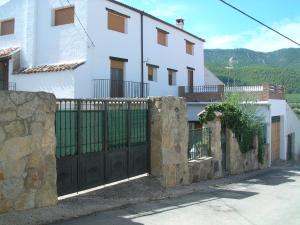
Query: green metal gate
[100, 141]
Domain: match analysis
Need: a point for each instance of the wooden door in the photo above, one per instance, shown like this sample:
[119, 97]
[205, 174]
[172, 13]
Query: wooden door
[117, 79]
[275, 138]
[3, 76]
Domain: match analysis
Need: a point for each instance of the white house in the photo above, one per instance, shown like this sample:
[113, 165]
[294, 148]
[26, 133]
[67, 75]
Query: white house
[103, 48]
[77, 48]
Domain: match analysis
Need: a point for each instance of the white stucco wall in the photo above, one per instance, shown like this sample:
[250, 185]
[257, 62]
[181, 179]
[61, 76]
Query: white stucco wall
[173, 56]
[278, 108]
[61, 84]
[43, 44]
[65, 43]
[293, 126]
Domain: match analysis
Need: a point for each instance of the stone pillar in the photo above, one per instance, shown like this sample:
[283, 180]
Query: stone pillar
[169, 140]
[216, 147]
[27, 151]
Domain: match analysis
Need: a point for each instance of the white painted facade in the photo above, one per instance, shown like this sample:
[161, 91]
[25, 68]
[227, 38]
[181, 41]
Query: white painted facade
[289, 123]
[41, 43]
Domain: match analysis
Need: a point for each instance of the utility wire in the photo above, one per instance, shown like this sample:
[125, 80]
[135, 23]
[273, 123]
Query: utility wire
[85, 31]
[263, 24]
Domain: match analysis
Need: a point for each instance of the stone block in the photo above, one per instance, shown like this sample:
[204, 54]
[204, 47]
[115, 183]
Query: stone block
[27, 151]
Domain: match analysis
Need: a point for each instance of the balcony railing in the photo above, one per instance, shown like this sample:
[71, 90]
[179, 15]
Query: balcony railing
[206, 93]
[106, 88]
[215, 93]
[7, 86]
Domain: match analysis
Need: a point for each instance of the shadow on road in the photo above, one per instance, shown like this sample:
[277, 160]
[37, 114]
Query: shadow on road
[127, 214]
[280, 177]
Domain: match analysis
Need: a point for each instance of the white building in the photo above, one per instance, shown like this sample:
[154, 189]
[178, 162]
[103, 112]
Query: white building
[62, 46]
[103, 48]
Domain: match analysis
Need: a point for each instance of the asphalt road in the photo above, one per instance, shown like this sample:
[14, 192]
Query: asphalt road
[272, 198]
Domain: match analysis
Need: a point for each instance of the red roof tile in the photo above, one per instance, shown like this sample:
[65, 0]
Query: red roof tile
[8, 51]
[52, 68]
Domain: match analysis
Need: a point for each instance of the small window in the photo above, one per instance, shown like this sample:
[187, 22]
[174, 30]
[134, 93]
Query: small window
[7, 27]
[189, 47]
[172, 77]
[64, 16]
[162, 37]
[152, 72]
[116, 22]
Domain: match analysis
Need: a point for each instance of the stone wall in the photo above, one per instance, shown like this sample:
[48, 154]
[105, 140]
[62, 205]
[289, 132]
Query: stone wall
[27, 151]
[202, 169]
[216, 148]
[169, 140]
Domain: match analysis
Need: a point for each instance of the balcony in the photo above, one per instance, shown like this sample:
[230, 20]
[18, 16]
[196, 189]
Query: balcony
[7, 86]
[106, 88]
[216, 93]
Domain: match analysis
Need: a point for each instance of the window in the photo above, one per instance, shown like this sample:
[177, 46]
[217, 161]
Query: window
[162, 37]
[189, 47]
[116, 21]
[152, 72]
[7, 27]
[172, 77]
[64, 16]
[190, 77]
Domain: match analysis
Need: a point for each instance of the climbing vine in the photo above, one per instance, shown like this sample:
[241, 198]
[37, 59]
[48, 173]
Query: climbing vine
[244, 124]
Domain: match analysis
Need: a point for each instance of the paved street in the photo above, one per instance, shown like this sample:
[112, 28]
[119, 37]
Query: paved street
[272, 198]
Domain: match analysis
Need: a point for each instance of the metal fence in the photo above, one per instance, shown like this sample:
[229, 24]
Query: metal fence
[100, 141]
[199, 143]
[11, 86]
[99, 124]
[106, 88]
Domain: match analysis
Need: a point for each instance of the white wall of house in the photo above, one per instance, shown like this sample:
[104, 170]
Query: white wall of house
[173, 56]
[65, 43]
[278, 108]
[42, 43]
[293, 126]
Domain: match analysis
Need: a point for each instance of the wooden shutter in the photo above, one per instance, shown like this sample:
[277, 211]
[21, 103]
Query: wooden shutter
[116, 64]
[116, 22]
[64, 16]
[8, 27]
[162, 37]
[189, 47]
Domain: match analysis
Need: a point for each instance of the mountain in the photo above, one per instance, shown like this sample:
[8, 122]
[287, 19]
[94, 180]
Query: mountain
[249, 67]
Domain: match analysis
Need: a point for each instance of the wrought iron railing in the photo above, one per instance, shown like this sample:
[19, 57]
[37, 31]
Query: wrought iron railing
[214, 93]
[107, 88]
[10, 86]
[199, 143]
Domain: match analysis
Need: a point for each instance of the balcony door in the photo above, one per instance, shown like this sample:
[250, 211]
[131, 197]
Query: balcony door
[190, 80]
[3, 76]
[117, 79]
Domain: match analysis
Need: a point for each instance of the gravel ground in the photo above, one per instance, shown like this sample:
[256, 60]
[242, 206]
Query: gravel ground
[132, 192]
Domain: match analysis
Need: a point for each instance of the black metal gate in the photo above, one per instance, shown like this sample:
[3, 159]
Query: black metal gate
[99, 142]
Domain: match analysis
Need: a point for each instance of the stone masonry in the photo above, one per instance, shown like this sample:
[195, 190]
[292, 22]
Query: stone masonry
[27, 151]
[169, 140]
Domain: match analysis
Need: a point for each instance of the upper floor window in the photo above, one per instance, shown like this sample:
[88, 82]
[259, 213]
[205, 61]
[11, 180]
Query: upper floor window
[116, 21]
[64, 16]
[189, 47]
[152, 72]
[7, 27]
[172, 77]
[162, 37]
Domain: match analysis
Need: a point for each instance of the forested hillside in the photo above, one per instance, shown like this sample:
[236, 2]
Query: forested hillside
[251, 68]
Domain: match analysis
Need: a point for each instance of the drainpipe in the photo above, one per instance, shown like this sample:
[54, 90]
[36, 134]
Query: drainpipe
[142, 54]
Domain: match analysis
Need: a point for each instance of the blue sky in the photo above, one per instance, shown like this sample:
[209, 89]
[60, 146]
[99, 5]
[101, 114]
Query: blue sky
[222, 27]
